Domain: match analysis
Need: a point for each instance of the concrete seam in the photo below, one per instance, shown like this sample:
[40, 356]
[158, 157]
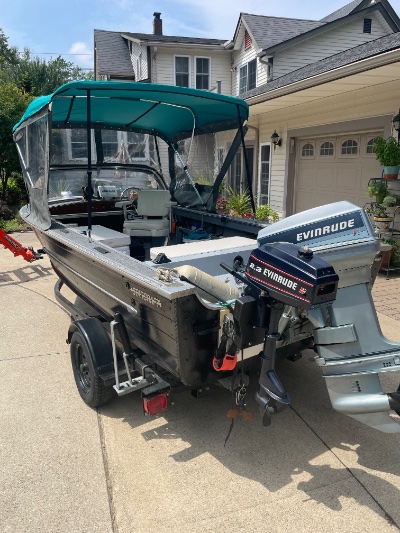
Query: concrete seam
[386, 515]
[33, 356]
[107, 473]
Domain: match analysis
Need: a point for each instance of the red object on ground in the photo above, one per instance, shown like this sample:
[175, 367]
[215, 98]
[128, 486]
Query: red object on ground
[16, 248]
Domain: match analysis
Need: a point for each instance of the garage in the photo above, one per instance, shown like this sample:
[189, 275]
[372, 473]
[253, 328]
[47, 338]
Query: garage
[333, 168]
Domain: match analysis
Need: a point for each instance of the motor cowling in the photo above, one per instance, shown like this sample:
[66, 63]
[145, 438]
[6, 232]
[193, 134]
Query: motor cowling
[292, 275]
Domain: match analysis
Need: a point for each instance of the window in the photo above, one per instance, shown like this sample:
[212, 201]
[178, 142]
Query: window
[182, 71]
[248, 76]
[370, 146]
[110, 144]
[78, 144]
[264, 174]
[367, 26]
[326, 149]
[203, 73]
[307, 150]
[349, 147]
[270, 69]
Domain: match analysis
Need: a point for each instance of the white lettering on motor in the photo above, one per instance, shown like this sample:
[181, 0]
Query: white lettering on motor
[325, 230]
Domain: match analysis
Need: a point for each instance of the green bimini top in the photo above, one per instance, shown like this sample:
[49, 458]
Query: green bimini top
[164, 110]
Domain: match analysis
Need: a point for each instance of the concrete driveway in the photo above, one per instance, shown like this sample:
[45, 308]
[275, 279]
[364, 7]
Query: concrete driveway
[68, 468]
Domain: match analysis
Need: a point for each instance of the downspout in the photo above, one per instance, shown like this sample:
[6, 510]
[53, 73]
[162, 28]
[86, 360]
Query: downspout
[149, 66]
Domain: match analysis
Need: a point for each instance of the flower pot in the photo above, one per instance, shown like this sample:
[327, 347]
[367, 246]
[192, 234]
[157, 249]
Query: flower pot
[391, 173]
[386, 258]
[382, 223]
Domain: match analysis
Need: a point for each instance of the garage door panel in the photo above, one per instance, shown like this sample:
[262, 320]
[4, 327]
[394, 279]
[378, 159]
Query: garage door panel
[321, 180]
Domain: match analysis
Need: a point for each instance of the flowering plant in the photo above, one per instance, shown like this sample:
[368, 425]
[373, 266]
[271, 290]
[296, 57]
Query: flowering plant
[221, 204]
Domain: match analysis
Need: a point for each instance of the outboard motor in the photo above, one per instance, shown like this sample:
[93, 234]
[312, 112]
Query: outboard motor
[277, 275]
[351, 348]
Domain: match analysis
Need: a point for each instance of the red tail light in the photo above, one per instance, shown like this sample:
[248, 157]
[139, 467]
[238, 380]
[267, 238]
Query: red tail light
[155, 404]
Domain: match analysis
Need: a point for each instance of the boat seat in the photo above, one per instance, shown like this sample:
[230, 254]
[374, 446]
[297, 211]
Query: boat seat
[153, 207]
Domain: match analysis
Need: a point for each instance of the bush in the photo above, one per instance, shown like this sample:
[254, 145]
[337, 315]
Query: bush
[16, 224]
[5, 212]
[265, 212]
[16, 194]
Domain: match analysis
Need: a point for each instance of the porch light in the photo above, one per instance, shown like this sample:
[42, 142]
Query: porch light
[396, 125]
[276, 140]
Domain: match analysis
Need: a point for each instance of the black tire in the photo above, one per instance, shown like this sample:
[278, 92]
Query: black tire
[90, 386]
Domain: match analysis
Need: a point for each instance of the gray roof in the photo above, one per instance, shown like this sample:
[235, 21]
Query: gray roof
[343, 11]
[353, 55]
[270, 31]
[150, 37]
[113, 56]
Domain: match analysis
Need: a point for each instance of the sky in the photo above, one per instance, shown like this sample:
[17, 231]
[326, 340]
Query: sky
[52, 28]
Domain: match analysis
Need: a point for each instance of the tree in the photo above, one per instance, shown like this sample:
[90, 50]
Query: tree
[13, 102]
[21, 78]
[8, 55]
[39, 77]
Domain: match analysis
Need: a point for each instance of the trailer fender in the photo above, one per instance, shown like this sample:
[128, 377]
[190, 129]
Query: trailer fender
[98, 341]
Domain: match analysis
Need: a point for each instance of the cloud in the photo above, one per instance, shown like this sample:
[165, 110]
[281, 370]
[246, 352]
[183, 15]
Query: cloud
[83, 55]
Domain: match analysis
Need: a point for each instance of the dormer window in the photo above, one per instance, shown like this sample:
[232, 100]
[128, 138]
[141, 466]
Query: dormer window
[247, 40]
[367, 26]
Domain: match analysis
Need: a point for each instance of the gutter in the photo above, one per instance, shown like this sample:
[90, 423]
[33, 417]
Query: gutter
[345, 71]
[174, 44]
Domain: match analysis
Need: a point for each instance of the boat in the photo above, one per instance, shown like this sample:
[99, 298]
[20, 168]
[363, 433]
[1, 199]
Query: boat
[171, 295]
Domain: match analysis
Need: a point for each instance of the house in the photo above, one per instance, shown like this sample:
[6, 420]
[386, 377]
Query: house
[322, 89]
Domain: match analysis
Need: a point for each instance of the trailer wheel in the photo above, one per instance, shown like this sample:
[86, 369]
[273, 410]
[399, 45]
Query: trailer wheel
[90, 386]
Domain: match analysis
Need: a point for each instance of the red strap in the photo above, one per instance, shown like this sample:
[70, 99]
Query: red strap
[228, 363]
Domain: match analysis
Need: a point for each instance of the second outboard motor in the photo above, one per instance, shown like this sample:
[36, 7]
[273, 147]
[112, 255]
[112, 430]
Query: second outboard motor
[351, 348]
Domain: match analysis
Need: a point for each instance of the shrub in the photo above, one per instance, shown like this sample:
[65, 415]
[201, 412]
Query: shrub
[5, 212]
[265, 212]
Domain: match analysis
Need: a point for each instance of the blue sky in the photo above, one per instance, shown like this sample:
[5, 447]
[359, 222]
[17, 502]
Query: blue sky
[60, 28]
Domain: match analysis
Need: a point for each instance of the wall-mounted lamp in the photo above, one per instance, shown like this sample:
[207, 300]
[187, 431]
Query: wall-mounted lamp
[276, 140]
[396, 125]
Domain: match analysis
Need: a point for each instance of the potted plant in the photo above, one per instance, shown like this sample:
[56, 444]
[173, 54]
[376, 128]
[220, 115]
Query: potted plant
[239, 204]
[391, 256]
[377, 189]
[381, 217]
[387, 152]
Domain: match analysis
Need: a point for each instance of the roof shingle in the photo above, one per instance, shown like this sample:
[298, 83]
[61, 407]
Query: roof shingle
[270, 31]
[353, 55]
[113, 56]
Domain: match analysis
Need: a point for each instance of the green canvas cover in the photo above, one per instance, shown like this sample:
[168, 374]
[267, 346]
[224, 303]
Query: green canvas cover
[164, 110]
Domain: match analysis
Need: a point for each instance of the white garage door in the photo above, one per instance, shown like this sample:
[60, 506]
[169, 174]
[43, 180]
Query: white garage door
[335, 168]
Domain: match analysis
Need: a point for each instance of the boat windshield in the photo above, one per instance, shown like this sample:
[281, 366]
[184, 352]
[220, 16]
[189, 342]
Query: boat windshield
[121, 160]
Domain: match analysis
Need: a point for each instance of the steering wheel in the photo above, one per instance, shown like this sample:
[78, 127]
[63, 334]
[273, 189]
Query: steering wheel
[128, 189]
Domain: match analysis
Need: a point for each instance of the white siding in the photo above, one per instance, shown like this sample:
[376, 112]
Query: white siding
[220, 66]
[241, 57]
[139, 61]
[359, 104]
[326, 44]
